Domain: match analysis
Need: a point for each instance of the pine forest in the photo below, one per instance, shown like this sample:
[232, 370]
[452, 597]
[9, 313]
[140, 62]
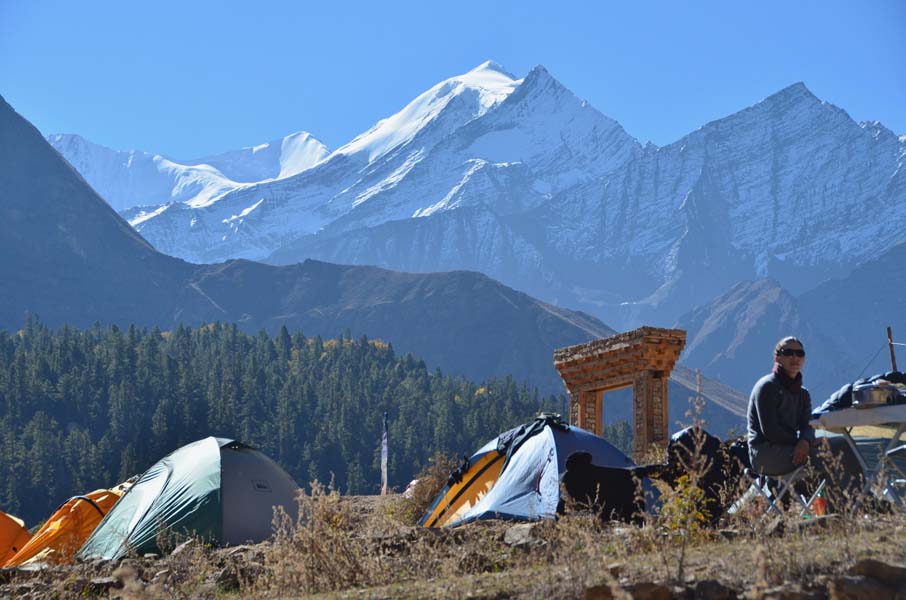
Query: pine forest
[81, 410]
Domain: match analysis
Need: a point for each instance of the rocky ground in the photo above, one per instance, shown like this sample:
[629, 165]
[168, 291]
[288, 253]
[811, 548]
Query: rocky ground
[356, 547]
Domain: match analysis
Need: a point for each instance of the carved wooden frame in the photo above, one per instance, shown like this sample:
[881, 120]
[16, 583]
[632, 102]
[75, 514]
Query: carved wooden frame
[642, 358]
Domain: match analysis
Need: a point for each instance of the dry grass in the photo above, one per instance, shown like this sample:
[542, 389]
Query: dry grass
[367, 547]
[564, 558]
[432, 479]
[578, 553]
[349, 547]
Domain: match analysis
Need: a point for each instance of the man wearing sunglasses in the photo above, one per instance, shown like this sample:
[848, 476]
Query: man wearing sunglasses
[780, 436]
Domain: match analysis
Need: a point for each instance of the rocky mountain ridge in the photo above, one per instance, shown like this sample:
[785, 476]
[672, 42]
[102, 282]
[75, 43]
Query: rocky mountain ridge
[842, 323]
[523, 181]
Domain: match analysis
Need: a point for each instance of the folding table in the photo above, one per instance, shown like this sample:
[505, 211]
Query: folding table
[889, 415]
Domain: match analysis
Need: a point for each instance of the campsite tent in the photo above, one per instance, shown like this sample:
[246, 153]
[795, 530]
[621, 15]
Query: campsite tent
[517, 475]
[67, 529]
[13, 535]
[218, 489]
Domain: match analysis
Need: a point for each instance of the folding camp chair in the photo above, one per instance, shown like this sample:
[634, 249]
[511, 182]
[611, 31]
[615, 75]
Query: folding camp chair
[887, 480]
[774, 488]
[895, 487]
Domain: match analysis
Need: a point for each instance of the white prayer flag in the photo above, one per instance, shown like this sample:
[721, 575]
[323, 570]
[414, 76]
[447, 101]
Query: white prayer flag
[384, 459]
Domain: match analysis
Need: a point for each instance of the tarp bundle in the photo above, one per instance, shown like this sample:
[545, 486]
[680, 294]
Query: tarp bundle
[610, 492]
[67, 529]
[217, 489]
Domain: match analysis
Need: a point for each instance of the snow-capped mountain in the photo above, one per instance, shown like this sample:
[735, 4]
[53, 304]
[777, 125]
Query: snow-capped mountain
[482, 139]
[136, 179]
[790, 188]
[522, 180]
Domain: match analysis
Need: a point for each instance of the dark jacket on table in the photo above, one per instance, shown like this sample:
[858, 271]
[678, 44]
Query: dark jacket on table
[777, 415]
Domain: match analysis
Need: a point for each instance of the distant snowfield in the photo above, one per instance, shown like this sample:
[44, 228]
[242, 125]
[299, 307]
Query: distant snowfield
[140, 179]
[520, 179]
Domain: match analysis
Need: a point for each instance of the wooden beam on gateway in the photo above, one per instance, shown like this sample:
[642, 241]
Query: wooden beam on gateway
[642, 358]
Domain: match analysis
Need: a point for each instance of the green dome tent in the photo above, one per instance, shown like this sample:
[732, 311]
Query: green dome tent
[218, 489]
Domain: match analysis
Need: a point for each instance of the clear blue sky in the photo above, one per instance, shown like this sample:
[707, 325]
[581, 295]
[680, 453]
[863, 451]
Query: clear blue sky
[191, 78]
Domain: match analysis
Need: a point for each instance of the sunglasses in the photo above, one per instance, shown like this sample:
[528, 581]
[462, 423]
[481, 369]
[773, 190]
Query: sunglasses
[791, 352]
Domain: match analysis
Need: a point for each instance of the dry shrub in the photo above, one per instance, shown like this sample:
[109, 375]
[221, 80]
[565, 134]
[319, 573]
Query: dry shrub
[318, 552]
[431, 480]
[327, 550]
[189, 568]
[682, 520]
[64, 582]
[582, 547]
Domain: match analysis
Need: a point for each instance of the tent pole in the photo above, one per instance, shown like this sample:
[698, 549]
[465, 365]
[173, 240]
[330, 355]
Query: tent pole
[893, 357]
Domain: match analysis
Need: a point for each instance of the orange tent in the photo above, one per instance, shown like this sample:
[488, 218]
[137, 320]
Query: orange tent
[67, 529]
[13, 536]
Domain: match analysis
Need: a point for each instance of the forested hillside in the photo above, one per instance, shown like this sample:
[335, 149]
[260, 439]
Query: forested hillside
[86, 409]
[69, 258]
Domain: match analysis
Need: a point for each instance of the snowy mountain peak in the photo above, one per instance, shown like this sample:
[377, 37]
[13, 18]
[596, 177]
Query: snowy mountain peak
[133, 178]
[300, 135]
[480, 89]
[490, 80]
[794, 110]
[542, 95]
[78, 146]
[539, 83]
[797, 102]
[77, 142]
[276, 159]
[298, 152]
[794, 97]
[540, 76]
[795, 90]
[490, 65]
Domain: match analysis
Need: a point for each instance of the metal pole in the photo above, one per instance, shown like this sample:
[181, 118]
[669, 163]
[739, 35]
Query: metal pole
[893, 357]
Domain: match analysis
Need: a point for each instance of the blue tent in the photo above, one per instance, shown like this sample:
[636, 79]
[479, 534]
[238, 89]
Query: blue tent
[517, 475]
